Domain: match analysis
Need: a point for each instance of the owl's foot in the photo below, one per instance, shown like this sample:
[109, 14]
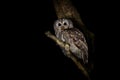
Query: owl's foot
[67, 49]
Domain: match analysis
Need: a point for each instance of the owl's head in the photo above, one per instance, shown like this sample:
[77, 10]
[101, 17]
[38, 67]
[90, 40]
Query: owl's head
[62, 24]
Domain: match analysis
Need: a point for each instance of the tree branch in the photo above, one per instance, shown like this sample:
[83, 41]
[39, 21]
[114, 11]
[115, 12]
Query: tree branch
[64, 45]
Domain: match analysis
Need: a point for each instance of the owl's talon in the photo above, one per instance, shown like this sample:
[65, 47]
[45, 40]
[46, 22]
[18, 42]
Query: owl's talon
[67, 48]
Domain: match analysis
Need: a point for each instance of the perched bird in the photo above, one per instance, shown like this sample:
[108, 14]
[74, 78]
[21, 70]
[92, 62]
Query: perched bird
[66, 32]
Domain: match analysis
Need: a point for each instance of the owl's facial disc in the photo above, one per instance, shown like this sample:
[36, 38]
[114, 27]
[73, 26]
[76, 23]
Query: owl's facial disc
[62, 24]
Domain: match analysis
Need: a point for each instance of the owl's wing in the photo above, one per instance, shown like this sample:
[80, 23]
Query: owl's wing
[77, 38]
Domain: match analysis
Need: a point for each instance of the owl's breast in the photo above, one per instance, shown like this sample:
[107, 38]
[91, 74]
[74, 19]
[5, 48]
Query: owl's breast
[66, 37]
[60, 36]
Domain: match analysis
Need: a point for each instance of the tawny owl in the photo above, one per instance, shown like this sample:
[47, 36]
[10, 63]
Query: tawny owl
[66, 32]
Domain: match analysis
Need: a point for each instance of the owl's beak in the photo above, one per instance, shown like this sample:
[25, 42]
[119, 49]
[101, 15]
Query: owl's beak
[62, 28]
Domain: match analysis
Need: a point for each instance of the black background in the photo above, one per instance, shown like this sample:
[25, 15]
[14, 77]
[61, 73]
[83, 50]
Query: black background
[35, 56]
[47, 57]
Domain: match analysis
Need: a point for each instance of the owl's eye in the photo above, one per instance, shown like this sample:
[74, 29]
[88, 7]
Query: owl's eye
[65, 23]
[59, 24]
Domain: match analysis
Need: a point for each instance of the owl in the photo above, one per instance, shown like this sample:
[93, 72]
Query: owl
[66, 32]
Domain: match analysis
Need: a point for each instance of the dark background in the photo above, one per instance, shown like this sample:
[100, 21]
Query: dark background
[35, 56]
[47, 58]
